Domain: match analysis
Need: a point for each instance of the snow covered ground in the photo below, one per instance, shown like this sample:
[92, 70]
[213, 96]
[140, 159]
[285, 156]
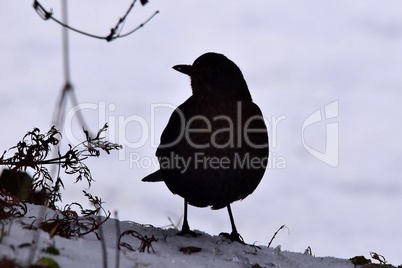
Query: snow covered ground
[168, 251]
[297, 57]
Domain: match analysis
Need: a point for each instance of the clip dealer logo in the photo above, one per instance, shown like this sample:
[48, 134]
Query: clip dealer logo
[328, 116]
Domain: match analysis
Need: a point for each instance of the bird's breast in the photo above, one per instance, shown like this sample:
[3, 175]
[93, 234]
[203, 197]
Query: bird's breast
[214, 153]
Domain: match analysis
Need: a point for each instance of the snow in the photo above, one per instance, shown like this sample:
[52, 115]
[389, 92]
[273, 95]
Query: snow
[170, 250]
[296, 56]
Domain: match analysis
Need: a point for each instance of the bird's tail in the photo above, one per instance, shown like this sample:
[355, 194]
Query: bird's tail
[154, 177]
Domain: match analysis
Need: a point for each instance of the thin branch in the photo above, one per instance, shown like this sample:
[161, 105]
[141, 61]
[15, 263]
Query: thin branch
[45, 15]
[273, 237]
[139, 26]
[121, 22]
[52, 161]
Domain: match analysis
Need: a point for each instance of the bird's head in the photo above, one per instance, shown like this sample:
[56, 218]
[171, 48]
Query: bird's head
[215, 76]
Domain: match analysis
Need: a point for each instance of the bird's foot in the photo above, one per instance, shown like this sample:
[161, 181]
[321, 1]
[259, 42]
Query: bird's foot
[185, 231]
[188, 233]
[234, 236]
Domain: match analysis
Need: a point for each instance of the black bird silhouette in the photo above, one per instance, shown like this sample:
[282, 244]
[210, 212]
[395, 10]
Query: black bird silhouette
[214, 149]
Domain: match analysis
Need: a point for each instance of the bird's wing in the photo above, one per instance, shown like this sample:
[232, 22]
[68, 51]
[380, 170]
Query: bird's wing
[169, 135]
[173, 130]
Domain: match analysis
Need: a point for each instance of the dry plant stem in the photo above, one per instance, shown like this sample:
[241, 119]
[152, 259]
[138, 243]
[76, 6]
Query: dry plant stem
[103, 244]
[273, 237]
[117, 261]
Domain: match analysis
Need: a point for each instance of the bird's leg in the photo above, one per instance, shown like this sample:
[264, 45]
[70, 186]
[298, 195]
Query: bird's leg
[234, 236]
[186, 228]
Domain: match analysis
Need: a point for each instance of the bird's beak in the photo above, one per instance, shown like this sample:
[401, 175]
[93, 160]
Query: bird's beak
[186, 69]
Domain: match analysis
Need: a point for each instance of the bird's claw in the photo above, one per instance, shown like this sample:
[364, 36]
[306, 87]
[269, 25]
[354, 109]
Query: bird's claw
[187, 232]
[234, 236]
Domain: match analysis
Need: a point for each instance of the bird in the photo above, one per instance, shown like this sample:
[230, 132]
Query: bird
[214, 149]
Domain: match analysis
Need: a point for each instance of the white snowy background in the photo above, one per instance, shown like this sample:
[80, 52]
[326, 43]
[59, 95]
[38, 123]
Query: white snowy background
[297, 57]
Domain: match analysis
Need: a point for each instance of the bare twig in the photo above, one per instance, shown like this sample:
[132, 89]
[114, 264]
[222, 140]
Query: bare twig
[273, 237]
[146, 242]
[378, 257]
[114, 32]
